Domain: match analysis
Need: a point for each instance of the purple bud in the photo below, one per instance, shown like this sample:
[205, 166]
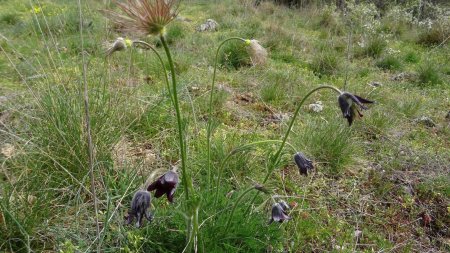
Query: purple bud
[303, 163]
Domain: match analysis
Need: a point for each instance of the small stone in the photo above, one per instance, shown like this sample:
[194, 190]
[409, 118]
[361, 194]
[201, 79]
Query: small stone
[31, 199]
[403, 76]
[316, 107]
[408, 190]
[426, 121]
[448, 115]
[209, 26]
[7, 150]
[426, 219]
[184, 19]
[357, 234]
[375, 84]
[3, 99]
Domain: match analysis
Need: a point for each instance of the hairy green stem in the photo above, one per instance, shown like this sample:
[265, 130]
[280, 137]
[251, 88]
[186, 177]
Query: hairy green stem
[166, 77]
[235, 205]
[237, 150]
[209, 126]
[277, 157]
[187, 183]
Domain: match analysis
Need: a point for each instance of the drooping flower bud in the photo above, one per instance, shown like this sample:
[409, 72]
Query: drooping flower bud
[303, 163]
[166, 184]
[279, 213]
[258, 54]
[118, 45]
[139, 205]
[349, 104]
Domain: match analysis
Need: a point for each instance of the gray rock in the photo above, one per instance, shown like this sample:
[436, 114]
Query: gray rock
[184, 19]
[404, 76]
[316, 107]
[426, 121]
[448, 115]
[375, 84]
[209, 26]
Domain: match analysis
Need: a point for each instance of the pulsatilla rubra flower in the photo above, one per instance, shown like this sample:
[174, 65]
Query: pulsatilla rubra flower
[165, 184]
[139, 205]
[303, 163]
[351, 105]
[144, 17]
[279, 212]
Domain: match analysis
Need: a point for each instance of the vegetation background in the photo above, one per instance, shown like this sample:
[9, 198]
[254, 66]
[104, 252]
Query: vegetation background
[382, 185]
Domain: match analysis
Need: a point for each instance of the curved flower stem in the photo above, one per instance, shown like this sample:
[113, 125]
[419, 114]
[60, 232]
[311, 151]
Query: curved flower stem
[234, 207]
[208, 129]
[277, 157]
[186, 178]
[166, 77]
[237, 150]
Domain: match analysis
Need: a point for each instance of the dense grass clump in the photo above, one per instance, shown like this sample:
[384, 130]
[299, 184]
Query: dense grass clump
[435, 35]
[326, 62]
[428, 75]
[234, 56]
[330, 144]
[389, 62]
[9, 18]
[375, 47]
[412, 57]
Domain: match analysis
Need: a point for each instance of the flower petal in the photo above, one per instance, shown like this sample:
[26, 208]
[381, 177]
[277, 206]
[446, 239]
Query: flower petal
[159, 193]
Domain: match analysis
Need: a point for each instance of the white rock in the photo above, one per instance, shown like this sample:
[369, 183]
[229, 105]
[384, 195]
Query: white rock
[209, 26]
[316, 107]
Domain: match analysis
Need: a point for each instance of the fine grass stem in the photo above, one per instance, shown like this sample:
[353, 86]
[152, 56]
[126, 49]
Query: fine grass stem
[209, 126]
[88, 128]
[166, 78]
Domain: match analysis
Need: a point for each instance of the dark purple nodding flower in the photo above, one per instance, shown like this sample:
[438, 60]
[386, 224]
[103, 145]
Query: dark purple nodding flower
[303, 163]
[139, 205]
[165, 184]
[279, 212]
[349, 104]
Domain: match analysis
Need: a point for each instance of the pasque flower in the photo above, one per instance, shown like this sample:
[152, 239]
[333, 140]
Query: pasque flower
[351, 105]
[279, 212]
[144, 17]
[258, 54]
[118, 45]
[165, 184]
[139, 205]
[303, 163]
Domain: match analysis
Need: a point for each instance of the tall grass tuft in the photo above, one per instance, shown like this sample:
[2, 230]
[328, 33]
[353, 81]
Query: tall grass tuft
[331, 143]
[234, 56]
[389, 62]
[428, 75]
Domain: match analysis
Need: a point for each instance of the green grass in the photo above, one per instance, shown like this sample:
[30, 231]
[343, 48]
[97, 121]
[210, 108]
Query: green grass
[428, 75]
[389, 62]
[363, 174]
